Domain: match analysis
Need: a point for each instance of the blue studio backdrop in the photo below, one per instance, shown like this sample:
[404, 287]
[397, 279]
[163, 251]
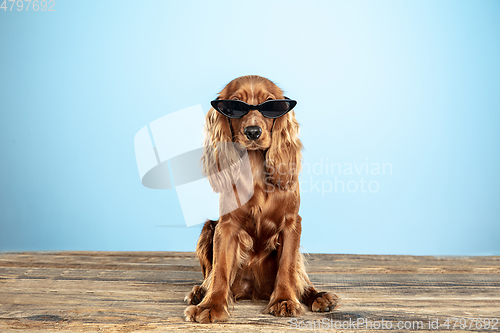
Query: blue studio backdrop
[398, 103]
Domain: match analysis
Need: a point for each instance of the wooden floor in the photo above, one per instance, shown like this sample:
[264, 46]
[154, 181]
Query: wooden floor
[144, 291]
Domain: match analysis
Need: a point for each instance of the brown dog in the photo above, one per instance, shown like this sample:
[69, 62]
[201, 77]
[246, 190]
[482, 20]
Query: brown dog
[253, 252]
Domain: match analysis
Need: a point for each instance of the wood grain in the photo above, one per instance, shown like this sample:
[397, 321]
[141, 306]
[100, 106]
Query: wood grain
[144, 291]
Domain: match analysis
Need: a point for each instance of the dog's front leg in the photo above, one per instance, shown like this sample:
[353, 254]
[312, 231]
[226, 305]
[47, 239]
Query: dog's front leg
[287, 288]
[214, 306]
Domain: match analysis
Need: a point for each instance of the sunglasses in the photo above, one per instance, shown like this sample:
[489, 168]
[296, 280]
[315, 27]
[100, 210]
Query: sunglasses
[235, 109]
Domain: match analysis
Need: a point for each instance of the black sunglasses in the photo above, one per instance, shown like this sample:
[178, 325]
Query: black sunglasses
[235, 109]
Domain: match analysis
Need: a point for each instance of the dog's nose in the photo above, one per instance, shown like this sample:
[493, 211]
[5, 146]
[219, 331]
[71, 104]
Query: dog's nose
[252, 132]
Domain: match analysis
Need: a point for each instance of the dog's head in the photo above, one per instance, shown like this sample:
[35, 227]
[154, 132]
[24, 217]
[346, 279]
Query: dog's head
[253, 131]
[276, 138]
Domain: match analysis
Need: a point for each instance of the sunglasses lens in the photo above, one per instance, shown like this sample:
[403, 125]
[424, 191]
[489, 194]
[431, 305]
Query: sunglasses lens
[269, 109]
[275, 109]
[232, 109]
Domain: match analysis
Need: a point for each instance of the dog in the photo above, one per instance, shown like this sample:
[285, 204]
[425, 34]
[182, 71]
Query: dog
[252, 252]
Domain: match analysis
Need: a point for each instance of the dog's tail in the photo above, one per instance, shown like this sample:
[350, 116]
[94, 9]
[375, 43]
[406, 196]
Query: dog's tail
[205, 247]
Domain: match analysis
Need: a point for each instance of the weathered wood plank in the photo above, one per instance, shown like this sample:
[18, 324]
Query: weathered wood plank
[144, 291]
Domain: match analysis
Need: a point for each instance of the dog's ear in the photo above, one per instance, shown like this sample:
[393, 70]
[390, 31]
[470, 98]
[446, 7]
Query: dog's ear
[220, 158]
[283, 158]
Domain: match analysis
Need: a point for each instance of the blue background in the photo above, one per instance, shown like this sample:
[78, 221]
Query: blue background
[411, 83]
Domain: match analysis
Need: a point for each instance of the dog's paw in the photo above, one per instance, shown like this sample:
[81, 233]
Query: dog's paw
[206, 313]
[195, 296]
[325, 302]
[288, 308]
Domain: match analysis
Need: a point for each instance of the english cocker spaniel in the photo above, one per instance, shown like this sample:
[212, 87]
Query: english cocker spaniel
[252, 251]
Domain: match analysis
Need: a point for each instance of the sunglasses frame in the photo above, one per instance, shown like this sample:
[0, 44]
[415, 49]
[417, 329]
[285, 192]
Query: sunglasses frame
[258, 107]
